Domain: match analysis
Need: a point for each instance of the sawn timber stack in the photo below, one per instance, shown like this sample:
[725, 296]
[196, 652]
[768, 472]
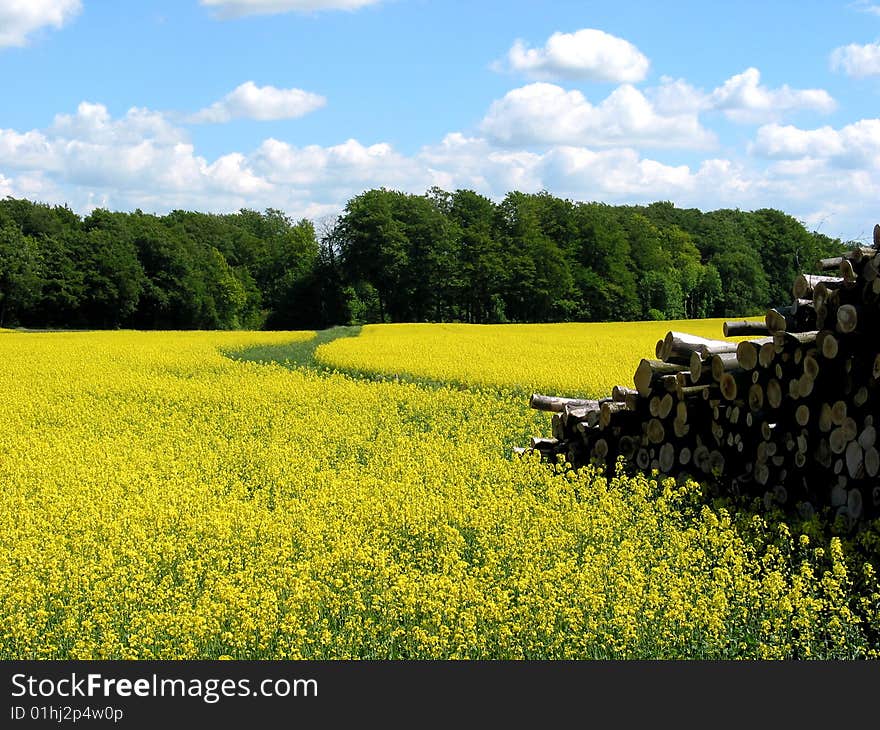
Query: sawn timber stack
[789, 415]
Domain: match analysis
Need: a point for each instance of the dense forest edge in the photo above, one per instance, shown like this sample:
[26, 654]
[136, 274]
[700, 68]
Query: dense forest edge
[397, 257]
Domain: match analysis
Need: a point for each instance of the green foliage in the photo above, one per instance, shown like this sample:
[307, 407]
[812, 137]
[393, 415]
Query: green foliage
[19, 272]
[395, 257]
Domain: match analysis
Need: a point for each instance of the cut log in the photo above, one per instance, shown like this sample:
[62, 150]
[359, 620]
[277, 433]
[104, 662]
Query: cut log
[678, 346]
[728, 361]
[774, 393]
[850, 428]
[872, 462]
[854, 504]
[619, 393]
[756, 397]
[805, 385]
[680, 428]
[744, 328]
[868, 437]
[837, 440]
[828, 344]
[694, 391]
[684, 456]
[553, 404]
[825, 421]
[804, 284]
[811, 366]
[735, 383]
[681, 411]
[650, 371]
[696, 367]
[855, 460]
[847, 272]
[794, 340]
[775, 321]
[838, 412]
[656, 431]
[766, 353]
[832, 263]
[607, 411]
[667, 458]
[851, 317]
[747, 352]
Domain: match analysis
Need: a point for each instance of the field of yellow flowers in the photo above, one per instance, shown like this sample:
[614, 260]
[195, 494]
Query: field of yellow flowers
[576, 359]
[166, 495]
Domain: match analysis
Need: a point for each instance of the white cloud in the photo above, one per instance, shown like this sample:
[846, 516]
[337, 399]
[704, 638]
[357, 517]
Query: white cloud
[677, 96]
[92, 123]
[857, 61]
[542, 113]
[615, 174]
[854, 146]
[140, 159]
[20, 18]
[864, 6]
[238, 8]
[741, 98]
[459, 161]
[6, 188]
[249, 101]
[586, 54]
[347, 168]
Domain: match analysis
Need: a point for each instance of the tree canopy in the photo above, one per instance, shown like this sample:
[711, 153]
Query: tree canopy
[392, 257]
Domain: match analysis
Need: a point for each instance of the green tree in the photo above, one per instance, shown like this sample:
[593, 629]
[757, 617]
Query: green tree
[19, 274]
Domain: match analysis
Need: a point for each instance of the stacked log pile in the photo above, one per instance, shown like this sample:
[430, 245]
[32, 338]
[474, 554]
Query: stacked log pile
[789, 414]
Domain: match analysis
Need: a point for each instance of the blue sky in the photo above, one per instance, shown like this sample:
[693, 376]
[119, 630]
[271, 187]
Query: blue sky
[301, 104]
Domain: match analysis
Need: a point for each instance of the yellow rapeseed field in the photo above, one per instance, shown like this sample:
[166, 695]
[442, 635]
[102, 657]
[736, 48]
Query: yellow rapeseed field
[585, 359]
[160, 498]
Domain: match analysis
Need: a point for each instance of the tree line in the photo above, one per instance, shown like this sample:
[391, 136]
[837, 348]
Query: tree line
[397, 257]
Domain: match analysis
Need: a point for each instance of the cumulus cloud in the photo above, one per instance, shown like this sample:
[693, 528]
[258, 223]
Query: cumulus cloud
[857, 61]
[89, 158]
[143, 160]
[741, 98]
[543, 113]
[239, 8]
[349, 166]
[856, 145]
[92, 123]
[21, 18]
[249, 101]
[588, 54]
[460, 161]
